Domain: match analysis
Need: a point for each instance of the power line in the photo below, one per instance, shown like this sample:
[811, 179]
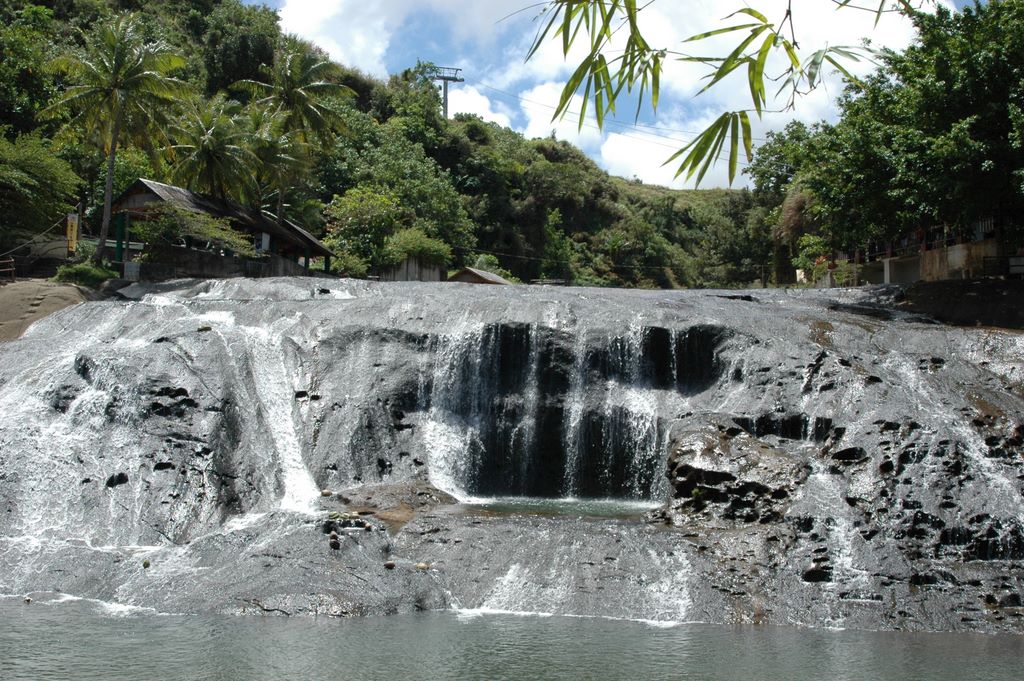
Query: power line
[643, 136]
[610, 122]
[560, 262]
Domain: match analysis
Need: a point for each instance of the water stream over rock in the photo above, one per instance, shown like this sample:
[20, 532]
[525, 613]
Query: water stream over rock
[810, 458]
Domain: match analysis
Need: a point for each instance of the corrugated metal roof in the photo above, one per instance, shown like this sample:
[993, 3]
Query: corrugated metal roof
[240, 215]
[484, 275]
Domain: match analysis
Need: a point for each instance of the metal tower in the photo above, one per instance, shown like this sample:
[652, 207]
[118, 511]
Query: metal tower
[446, 75]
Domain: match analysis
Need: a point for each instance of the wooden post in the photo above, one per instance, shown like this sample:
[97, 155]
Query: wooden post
[119, 230]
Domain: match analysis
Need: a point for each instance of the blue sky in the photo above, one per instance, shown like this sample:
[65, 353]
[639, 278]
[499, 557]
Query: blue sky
[489, 39]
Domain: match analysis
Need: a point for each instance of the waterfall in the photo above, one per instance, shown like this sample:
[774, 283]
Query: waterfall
[531, 410]
[275, 391]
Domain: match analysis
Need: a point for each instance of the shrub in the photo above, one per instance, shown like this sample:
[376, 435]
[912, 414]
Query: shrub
[349, 265]
[168, 224]
[84, 274]
[414, 243]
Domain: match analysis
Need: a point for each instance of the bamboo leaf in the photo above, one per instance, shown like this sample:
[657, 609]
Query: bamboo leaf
[734, 147]
[749, 11]
[719, 31]
[748, 138]
[842, 69]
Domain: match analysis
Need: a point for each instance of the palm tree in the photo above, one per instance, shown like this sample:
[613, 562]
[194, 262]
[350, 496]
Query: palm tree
[280, 156]
[210, 152]
[121, 90]
[299, 86]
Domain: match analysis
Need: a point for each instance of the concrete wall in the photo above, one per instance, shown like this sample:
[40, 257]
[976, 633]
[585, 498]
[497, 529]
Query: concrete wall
[411, 269]
[871, 272]
[961, 261]
[903, 270]
[179, 263]
[54, 248]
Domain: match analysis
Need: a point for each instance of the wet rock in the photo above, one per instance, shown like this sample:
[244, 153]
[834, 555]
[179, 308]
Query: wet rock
[1010, 601]
[737, 479]
[820, 573]
[117, 479]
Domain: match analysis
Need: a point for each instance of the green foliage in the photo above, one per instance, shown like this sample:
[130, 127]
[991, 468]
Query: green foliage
[812, 257]
[210, 152]
[26, 43]
[167, 225]
[368, 159]
[240, 39]
[932, 139]
[360, 222]
[302, 84]
[36, 188]
[490, 263]
[120, 90]
[349, 265]
[280, 158]
[558, 250]
[84, 274]
[414, 243]
[401, 170]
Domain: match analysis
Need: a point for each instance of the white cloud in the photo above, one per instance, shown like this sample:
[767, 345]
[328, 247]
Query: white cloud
[467, 99]
[483, 22]
[539, 104]
[354, 33]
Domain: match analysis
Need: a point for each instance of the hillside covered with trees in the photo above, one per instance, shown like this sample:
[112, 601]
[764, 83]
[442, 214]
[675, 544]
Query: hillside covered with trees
[372, 167]
[231, 107]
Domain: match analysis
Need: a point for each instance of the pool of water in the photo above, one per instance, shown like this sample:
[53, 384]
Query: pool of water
[87, 640]
[593, 508]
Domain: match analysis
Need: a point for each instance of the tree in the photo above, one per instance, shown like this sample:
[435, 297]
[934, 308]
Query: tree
[776, 162]
[121, 89]
[360, 222]
[414, 243]
[300, 84]
[609, 67]
[280, 157]
[25, 86]
[167, 225]
[210, 148]
[36, 188]
[239, 40]
[928, 140]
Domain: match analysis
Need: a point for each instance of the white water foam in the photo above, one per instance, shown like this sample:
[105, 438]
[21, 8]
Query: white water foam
[275, 392]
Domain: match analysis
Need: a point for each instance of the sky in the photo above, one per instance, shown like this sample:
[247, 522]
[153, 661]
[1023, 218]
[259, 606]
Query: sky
[489, 40]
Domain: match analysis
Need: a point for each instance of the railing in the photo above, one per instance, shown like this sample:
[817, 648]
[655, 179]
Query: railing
[7, 269]
[446, 73]
[1011, 266]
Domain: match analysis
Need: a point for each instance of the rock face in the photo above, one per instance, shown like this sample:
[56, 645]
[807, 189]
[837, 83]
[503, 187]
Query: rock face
[783, 457]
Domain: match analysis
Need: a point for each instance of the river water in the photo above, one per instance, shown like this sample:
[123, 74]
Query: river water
[85, 640]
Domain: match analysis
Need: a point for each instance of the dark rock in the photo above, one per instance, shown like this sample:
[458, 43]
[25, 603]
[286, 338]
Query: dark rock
[818, 574]
[117, 479]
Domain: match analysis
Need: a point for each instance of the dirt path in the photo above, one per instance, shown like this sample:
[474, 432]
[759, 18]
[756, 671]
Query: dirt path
[28, 300]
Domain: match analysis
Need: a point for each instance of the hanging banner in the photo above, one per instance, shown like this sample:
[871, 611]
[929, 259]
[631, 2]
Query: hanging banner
[72, 232]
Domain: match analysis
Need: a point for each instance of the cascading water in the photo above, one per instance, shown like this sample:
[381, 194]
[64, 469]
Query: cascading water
[530, 410]
[795, 476]
[275, 393]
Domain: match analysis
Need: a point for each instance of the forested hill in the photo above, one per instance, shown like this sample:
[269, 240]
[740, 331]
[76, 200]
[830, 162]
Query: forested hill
[388, 175]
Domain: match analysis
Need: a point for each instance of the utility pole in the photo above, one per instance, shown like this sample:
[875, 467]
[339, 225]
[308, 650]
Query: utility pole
[446, 75]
